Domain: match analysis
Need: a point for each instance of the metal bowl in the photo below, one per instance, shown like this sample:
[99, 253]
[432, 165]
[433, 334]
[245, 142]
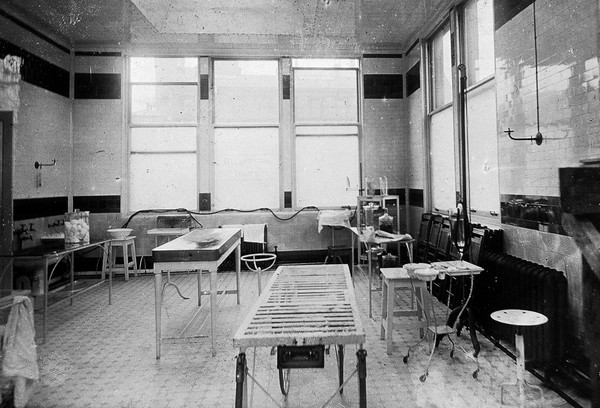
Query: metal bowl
[119, 233]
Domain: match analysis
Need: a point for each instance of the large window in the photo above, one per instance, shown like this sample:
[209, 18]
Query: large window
[162, 144]
[246, 134]
[475, 22]
[326, 116]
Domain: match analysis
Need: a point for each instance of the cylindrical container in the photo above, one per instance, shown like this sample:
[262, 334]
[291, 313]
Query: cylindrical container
[77, 227]
[383, 185]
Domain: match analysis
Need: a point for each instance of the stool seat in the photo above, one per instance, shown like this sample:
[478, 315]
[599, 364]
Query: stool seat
[127, 246]
[398, 279]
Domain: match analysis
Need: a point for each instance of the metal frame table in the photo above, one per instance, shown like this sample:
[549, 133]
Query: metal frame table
[301, 309]
[200, 250]
[51, 255]
[379, 240]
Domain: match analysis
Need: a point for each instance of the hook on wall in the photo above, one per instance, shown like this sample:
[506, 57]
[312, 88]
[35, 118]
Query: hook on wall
[538, 137]
[39, 165]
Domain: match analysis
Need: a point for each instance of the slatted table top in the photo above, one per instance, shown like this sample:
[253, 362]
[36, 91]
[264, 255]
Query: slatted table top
[304, 305]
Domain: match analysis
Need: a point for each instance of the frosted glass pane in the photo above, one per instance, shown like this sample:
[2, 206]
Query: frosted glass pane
[246, 92]
[246, 168]
[164, 104]
[443, 184]
[163, 181]
[163, 139]
[479, 38]
[324, 164]
[326, 130]
[145, 69]
[327, 96]
[324, 63]
[442, 68]
[483, 149]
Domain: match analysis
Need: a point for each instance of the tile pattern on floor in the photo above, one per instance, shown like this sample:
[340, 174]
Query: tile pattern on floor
[98, 355]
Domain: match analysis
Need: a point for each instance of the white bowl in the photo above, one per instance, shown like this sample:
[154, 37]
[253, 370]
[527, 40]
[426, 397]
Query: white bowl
[119, 233]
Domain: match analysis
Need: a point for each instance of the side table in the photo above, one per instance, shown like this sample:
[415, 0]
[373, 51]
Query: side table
[520, 318]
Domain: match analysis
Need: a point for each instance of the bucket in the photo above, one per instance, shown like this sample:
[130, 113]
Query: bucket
[77, 227]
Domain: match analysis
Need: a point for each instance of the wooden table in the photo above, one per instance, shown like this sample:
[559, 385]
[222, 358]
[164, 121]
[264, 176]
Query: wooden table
[199, 250]
[301, 309]
[50, 255]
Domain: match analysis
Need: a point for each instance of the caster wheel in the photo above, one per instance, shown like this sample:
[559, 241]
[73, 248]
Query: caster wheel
[423, 378]
[405, 359]
[451, 353]
[475, 374]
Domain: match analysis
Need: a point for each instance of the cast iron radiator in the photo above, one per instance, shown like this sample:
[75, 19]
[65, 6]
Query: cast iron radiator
[509, 282]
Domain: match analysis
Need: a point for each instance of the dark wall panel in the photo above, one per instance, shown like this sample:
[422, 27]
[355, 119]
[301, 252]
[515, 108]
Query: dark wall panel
[97, 86]
[27, 208]
[383, 86]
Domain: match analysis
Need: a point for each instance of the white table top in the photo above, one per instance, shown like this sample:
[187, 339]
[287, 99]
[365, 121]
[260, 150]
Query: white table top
[519, 317]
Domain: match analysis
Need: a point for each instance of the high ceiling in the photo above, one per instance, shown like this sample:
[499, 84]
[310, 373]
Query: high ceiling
[368, 24]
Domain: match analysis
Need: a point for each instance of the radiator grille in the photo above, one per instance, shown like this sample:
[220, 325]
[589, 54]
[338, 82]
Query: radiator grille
[509, 282]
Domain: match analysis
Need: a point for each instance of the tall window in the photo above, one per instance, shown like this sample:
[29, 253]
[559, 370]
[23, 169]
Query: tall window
[246, 134]
[163, 122]
[478, 32]
[441, 127]
[326, 120]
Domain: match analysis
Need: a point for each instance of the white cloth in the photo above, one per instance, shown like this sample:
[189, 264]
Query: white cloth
[250, 232]
[333, 218]
[20, 353]
[255, 233]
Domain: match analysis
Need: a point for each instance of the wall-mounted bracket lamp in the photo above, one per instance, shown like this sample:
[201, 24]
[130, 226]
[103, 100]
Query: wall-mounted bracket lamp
[39, 165]
[538, 137]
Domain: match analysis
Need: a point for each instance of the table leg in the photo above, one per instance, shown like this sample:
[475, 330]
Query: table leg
[107, 254]
[241, 382]
[520, 346]
[213, 308]
[158, 288]
[45, 311]
[238, 269]
[71, 276]
[199, 271]
[370, 277]
[340, 359]
[361, 355]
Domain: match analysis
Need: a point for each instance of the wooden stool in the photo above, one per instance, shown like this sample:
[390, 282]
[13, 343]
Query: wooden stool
[124, 244]
[397, 278]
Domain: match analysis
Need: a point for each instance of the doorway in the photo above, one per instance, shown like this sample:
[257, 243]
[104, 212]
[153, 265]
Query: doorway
[6, 200]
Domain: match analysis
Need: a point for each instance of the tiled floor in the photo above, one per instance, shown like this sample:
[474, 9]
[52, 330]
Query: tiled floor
[104, 356]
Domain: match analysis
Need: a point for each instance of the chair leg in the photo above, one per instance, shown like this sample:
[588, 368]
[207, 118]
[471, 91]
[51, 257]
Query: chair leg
[134, 256]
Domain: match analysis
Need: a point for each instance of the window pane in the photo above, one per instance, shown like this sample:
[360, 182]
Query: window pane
[246, 168]
[164, 104]
[479, 37]
[327, 96]
[441, 68]
[163, 139]
[324, 63]
[326, 130]
[246, 92]
[443, 185]
[164, 69]
[163, 181]
[324, 165]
